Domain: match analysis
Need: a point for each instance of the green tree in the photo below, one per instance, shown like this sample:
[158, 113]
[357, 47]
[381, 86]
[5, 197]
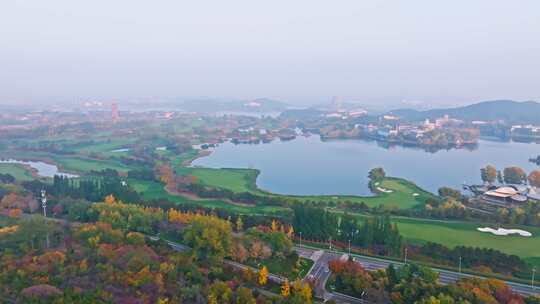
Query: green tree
[376, 174]
[500, 178]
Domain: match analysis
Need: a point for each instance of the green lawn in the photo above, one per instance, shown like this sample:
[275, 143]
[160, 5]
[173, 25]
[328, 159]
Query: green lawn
[178, 159]
[237, 180]
[105, 146]
[19, 172]
[154, 190]
[401, 196]
[72, 163]
[79, 164]
[460, 233]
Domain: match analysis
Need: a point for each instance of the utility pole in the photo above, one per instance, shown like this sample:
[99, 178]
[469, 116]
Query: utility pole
[349, 248]
[460, 265]
[44, 206]
[300, 238]
[405, 255]
[44, 202]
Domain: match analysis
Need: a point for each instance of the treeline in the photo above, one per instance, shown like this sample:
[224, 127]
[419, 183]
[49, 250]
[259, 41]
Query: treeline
[6, 178]
[92, 189]
[510, 175]
[474, 258]
[412, 283]
[241, 197]
[378, 233]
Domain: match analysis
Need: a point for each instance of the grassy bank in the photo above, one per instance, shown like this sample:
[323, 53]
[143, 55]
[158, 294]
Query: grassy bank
[404, 195]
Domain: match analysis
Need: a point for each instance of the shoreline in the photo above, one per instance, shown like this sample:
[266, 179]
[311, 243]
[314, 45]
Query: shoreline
[252, 185]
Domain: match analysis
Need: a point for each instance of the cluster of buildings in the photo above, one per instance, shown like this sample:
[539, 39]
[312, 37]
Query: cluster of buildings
[506, 195]
[391, 127]
[529, 131]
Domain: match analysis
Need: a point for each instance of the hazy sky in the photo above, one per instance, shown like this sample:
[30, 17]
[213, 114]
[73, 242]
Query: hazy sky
[440, 52]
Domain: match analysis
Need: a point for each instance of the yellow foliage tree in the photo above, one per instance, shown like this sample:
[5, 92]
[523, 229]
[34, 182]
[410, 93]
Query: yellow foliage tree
[163, 301]
[83, 266]
[290, 233]
[286, 288]
[306, 293]
[263, 276]
[249, 275]
[239, 224]
[297, 286]
[275, 226]
[212, 299]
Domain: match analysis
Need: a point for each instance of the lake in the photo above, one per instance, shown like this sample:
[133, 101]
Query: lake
[309, 166]
[42, 168]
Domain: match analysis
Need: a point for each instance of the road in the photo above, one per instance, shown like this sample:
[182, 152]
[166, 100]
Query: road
[180, 247]
[320, 273]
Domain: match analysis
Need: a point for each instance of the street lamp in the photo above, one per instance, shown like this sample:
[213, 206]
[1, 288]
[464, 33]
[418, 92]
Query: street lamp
[349, 248]
[459, 264]
[532, 278]
[330, 246]
[44, 202]
[405, 255]
[300, 238]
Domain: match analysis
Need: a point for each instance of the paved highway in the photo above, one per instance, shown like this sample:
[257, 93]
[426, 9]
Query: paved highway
[320, 273]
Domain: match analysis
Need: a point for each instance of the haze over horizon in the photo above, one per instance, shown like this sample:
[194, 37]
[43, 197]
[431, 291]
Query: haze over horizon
[301, 52]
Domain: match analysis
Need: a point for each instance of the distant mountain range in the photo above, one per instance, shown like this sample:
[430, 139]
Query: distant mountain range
[509, 111]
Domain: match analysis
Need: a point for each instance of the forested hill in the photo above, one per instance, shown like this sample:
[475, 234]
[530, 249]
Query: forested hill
[506, 110]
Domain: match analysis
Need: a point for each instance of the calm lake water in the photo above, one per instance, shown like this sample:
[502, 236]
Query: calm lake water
[43, 169]
[309, 166]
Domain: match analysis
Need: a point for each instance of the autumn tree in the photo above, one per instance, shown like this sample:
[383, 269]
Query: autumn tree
[285, 288]
[274, 226]
[221, 292]
[514, 175]
[534, 178]
[306, 293]
[488, 174]
[244, 296]
[290, 232]
[239, 224]
[110, 199]
[210, 238]
[263, 276]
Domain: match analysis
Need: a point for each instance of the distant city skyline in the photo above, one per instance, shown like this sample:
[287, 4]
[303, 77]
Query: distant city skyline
[383, 54]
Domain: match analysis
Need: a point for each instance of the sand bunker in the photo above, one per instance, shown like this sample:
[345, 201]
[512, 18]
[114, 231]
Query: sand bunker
[502, 231]
[384, 190]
